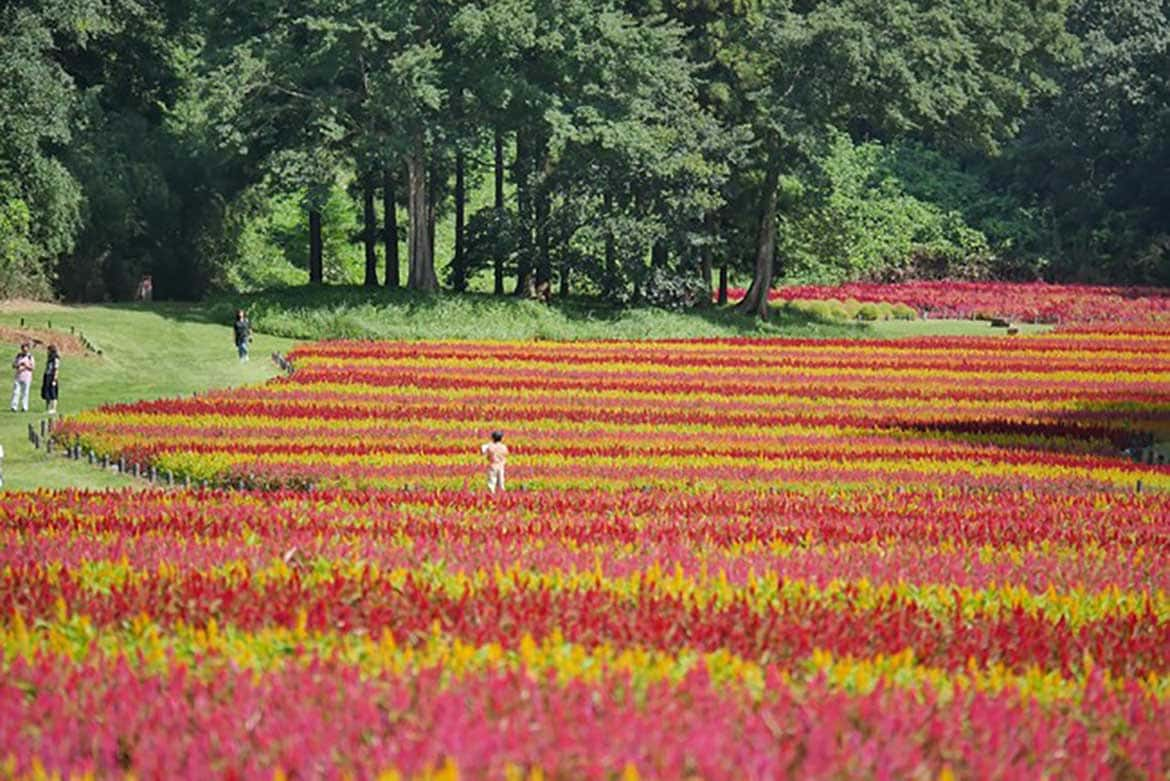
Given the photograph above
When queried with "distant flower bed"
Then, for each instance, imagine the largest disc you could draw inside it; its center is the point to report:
(1033, 302)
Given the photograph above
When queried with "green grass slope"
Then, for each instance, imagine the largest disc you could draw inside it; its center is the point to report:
(354, 312)
(147, 352)
(360, 313)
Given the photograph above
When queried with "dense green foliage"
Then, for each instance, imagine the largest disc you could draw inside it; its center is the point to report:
(624, 150)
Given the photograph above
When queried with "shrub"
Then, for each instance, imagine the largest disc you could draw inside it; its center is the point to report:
(903, 312)
(674, 291)
(817, 310)
(850, 307)
(868, 312)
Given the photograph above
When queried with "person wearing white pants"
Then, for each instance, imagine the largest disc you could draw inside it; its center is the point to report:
(497, 456)
(23, 363)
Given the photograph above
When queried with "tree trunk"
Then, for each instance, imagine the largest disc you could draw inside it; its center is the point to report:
(707, 255)
(565, 272)
(723, 284)
(522, 175)
(659, 255)
(421, 274)
(610, 245)
(544, 259)
(755, 301)
(498, 286)
(390, 231)
(459, 262)
(499, 150)
(316, 253)
(543, 208)
(432, 203)
(370, 233)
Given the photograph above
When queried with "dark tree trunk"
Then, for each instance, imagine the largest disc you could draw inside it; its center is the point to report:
(459, 262)
(421, 275)
(499, 169)
(544, 258)
(522, 176)
(610, 246)
(316, 248)
(723, 284)
(370, 233)
(755, 301)
(390, 231)
(543, 212)
(659, 255)
(498, 282)
(432, 204)
(707, 255)
(565, 272)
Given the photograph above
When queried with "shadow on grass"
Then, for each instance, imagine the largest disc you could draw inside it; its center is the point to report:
(1131, 433)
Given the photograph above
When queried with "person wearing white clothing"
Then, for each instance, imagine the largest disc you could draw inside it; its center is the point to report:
(497, 457)
(23, 363)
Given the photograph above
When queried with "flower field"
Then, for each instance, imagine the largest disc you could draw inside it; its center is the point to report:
(921, 559)
(587, 634)
(691, 416)
(1026, 302)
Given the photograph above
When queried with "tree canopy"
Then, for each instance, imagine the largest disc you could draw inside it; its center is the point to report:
(616, 149)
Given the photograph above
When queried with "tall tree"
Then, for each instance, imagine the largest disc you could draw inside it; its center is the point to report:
(390, 228)
(1096, 157)
(955, 71)
(604, 102)
(337, 79)
(40, 200)
(370, 232)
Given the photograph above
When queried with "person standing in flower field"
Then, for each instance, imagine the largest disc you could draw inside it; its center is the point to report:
(243, 331)
(23, 363)
(497, 456)
(49, 381)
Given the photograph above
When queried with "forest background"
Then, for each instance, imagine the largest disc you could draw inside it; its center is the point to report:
(645, 150)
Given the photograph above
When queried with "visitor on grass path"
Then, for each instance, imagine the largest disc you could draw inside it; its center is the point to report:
(23, 363)
(145, 290)
(497, 456)
(49, 381)
(243, 331)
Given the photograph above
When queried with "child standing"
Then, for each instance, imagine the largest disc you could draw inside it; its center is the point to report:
(497, 456)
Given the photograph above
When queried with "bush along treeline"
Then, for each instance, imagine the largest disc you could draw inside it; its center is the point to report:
(644, 149)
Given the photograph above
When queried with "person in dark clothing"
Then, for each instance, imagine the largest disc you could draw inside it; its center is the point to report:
(49, 380)
(243, 331)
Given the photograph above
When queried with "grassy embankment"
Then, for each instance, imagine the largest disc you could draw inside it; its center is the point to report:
(167, 350)
(164, 350)
(357, 313)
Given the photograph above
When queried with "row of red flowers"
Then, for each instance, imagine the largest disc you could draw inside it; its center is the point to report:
(1035, 302)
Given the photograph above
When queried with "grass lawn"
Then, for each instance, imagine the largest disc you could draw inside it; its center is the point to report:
(905, 329)
(166, 350)
(355, 312)
(147, 352)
